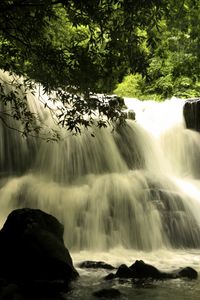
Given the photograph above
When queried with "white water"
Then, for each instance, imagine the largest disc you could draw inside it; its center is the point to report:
(132, 194)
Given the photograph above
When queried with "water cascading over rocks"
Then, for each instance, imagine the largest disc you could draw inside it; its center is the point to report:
(135, 188)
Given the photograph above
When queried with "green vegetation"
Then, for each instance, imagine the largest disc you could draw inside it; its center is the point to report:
(83, 47)
(173, 67)
(134, 86)
(130, 87)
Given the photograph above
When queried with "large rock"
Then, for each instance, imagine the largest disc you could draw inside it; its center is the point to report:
(142, 270)
(32, 250)
(191, 112)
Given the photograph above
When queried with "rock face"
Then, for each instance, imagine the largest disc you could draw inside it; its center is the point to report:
(141, 270)
(191, 112)
(32, 249)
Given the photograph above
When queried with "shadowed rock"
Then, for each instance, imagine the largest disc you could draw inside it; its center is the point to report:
(124, 272)
(32, 252)
(142, 270)
(188, 273)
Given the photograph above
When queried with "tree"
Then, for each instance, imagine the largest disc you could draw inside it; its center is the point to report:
(174, 66)
(173, 54)
(77, 47)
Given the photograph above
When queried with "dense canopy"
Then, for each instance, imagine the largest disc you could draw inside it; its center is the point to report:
(81, 47)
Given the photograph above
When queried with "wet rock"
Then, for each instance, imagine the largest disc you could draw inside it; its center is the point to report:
(175, 217)
(126, 138)
(131, 114)
(110, 276)
(124, 272)
(107, 293)
(191, 112)
(141, 270)
(188, 272)
(32, 251)
(89, 264)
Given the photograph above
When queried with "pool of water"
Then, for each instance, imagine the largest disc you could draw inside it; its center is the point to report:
(92, 280)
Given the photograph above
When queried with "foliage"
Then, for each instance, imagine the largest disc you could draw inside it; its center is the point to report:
(15, 111)
(130, 87)
(77, 47)
(81, 47)
(173, 54)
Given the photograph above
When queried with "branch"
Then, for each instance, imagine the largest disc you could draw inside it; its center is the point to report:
(13, 6)
(10, 127)
(22, 132)
(14, 37)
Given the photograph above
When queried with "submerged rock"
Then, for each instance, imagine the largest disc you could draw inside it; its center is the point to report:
(89, 264)
(107, 293)
(32, 252)
(141, 270)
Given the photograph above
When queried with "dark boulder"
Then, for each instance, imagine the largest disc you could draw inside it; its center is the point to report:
(89, 264)
(142, 270)
(32, 250)
(110, 276)
(187, 272)
(124, 272)
(191, 112)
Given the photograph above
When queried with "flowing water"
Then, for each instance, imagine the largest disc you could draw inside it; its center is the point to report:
(124, 195)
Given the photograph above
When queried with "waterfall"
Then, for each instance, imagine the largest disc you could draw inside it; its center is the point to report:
(137, 187)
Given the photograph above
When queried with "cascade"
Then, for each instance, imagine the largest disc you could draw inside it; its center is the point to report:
(137, 187)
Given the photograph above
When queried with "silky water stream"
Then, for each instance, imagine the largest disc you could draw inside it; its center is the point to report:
(124, 195)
